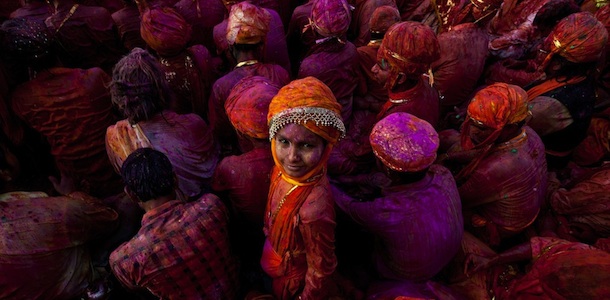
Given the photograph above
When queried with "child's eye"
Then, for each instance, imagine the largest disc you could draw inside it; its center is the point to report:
(282, 141)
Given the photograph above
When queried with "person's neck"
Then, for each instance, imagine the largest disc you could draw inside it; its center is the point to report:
(408, 84)
(154, 203)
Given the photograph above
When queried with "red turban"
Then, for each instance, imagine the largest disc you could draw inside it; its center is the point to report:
(404, 142)
(409, 48)
(383, 17)
(330, 18)
(248, 24)
(494, 107)
(579, 38)
(248, 104)
(165, 30)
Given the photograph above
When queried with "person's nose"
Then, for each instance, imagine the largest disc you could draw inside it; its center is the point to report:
(293, 154)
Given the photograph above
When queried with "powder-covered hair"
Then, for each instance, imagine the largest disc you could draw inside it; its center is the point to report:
(139, 88)
(148, 174)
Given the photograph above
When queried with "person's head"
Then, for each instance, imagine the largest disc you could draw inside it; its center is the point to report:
(148, 174)
(404, 143)
(248, 24)
(304, 123)
(551, 13)
(408, 48)
(330, 18)
(139, 88)
(577, 39)
(248, 105)
(495, 113)
(382, 18)
(165, 30)
(28, 42)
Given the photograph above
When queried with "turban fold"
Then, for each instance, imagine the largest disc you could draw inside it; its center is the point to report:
(578, 38)
(494, 107)
(26, 39)
(404, 142)
(330, 18)
(248, 104)
(165, 30)
(248, 24)
(409, 48)
(383, 17)
(310, 103)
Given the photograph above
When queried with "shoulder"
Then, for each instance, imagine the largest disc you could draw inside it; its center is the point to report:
(319, 204)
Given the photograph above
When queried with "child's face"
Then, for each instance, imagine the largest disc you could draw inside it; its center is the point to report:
(298, 150)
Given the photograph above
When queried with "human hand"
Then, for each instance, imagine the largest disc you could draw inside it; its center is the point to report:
(475, 263)
(65, 185)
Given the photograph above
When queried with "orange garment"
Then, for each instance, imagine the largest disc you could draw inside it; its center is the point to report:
(165, 30)
(550, 85)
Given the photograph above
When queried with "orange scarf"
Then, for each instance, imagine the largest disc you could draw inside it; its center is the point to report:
(550, 85)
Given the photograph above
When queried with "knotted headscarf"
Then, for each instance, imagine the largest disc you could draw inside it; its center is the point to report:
(404, 142)
(248, 104)
(494, 107)
(247, 24)
(383, 17)
(165, 30)
(578, 38)
(310, 103)
(26, 39)
(409, 48)
(330, 18)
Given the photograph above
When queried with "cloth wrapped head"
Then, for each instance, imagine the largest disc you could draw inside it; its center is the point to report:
(330, 18)
(383, 17)
(494, 107)
(248, 24)
(404, 142)
(248, 104)
(310, 103)
(165, 30)
(579, 38)
(409, 48)
(27, 40)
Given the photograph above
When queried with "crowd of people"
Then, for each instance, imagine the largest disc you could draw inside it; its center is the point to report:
(319, 149)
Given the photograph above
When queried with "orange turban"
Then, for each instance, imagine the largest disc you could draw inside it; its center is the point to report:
(248, 104)
(383, 17)
(330, 18)
(308, 102)
(579, 38)
(248, 24)
(165, 30)
(409, 48)
(404, 142)
(494, 107)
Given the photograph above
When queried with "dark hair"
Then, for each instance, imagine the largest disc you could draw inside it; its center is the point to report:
(148, 174)
(139, 88)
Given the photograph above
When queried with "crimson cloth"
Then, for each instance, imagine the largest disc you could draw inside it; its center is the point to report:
(563, 270)
(416, 208)
(587, 202)
(336, 65)
(73, 118)
(299, 253)
(127, 22)
(185, 139)
(217, 116)
(361, 17)
(182, 251)
(595, 148)
(508, 186)
(86, 39)
(370, 94)
(421, 101)
(202, 15)
(44, 240)
(275, 50)
(246, 180)
(190, 75)
(463, 55)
